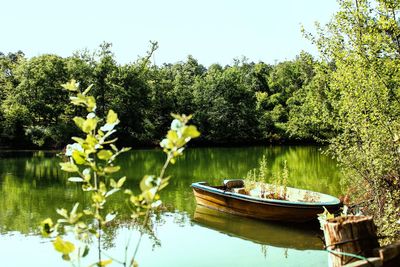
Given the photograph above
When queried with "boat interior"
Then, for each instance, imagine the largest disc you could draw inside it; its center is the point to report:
(264, 191)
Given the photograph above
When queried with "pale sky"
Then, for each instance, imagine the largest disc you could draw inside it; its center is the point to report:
(212, 31)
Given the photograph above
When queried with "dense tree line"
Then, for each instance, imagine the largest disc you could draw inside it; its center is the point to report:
(243, 103)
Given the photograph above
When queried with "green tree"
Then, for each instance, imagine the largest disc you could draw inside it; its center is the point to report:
(103, 71)
(8, 82)
(36, 104)
(281, 94)
(310, 114)
(131, 101)
(225, 106)
(81, 67)
(363, 42)
(184, 77)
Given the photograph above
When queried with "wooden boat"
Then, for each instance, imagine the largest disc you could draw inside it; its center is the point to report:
(299, 205)
(280, 235)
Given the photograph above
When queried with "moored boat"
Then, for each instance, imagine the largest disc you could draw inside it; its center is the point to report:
(298, 205)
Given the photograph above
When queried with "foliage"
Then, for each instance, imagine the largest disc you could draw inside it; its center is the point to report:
(239, 104)
(91, 162)
(226, 106)
(362, 41)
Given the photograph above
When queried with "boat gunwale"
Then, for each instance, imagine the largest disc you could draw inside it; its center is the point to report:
(298, 204)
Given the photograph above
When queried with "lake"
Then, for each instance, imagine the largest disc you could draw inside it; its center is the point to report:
(32, 187)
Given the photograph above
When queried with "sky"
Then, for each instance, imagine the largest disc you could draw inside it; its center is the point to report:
(212, 31)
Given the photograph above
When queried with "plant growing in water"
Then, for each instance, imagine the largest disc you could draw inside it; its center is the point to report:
(91, 161)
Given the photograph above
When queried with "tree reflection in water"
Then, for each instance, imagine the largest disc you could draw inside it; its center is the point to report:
(32, 187)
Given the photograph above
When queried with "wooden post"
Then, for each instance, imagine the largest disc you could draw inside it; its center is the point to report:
(349, 234)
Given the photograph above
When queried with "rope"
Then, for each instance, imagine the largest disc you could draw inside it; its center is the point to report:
(350, 240)
(350, 255)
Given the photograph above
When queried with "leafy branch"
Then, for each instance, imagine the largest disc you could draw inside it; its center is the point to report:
(91, 161)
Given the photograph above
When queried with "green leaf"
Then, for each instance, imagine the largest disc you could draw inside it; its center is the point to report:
(149, 195)
(71, 86)
(76, 179)
(172, 136)
(121, 182)
(114, 147)
(102, 187)
(77, 139)
(86, 174)
(85, 251)
(111, 169)
(105, 262)
(113, 183)
(64, 247)
(97, 198)
(104, 154)
(166, 143)
(69, 167)
(191, 131)
(89, 125)
(128, 192)
(112, 191)
(78, 100)
(76, 155)
(79, 121)
(46, 227)
(112, 117)
(87, 89)
(62, 212)
(66, 257)
(88, 212)
(110, 217)
(91, 104)
(74, 209)
(125, 149)
(164, 183)
(146, 183)
(111, 141)
(91, 141)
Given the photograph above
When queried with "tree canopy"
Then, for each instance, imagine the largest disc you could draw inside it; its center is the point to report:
(245, 103)
(361, 99)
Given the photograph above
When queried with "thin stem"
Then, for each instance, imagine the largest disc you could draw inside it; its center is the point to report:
(79, 256)
(96, 186)
(99, 240)
(147, 215)
(126, 250)
(95, 179)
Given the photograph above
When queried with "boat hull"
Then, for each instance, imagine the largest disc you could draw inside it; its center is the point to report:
(272, 210)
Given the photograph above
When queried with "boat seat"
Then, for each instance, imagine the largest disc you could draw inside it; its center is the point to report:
(237, 183)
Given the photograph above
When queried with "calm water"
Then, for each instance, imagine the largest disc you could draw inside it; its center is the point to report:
(32, 187)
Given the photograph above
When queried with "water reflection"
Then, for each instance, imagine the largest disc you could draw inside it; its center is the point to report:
(295, 236)
(32, 187)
